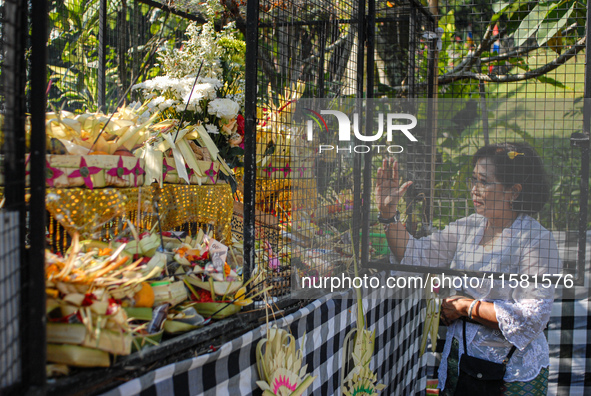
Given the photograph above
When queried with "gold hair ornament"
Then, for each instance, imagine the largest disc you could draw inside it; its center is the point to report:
(513, 154)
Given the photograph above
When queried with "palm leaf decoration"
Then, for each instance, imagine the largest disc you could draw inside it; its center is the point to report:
(360, 380)
(279, 364)
(431, 327)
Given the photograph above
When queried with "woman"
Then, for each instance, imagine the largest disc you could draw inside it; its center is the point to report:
(508, 184)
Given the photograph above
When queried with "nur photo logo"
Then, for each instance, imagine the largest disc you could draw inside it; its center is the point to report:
(345, 127)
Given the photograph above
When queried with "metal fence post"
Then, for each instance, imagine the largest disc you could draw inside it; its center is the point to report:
(250, 109)
(102, 57)
(13, 345)
(34, 349)
(367, 166)
(583, 143)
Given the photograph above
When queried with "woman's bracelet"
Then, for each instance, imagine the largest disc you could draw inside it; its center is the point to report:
(471, 308)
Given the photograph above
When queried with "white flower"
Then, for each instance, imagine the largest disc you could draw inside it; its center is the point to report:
(212, 81)
(155, 102)
(166, 104)
(223, 108)
(212, 129)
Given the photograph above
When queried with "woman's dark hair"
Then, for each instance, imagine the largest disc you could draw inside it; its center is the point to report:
(518, 163)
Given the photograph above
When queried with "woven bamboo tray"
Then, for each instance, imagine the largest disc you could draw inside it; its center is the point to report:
(93, 171)
(209, 169)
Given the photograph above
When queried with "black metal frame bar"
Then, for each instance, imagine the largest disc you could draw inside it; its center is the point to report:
(584, 146)
(34, 351)
(250, 109)
(102, 57)
(363, 27)
(367, 170)
(15, 33)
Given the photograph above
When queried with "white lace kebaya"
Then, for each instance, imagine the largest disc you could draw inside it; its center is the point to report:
(524, 248)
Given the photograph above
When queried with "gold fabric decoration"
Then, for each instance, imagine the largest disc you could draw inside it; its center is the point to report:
(99, 213)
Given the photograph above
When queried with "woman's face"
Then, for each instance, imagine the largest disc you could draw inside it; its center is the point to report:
(489, 196)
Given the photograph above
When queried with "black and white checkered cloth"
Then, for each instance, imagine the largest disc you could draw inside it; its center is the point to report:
(569, 340)
(232, 369)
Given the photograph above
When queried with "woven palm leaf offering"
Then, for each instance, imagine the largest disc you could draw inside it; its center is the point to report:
(217, 291)
(279, 365)
(279, 361)
(173, 155)
(94, 150)
(86, 292)
(274, 139)
(359, 347)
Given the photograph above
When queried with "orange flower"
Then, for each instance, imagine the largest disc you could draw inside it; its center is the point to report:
(105, 252)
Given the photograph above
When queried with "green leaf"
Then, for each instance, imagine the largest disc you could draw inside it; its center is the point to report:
(553, 82)
(58, 69)
(530, 24)
(501, 6)
(155, 27)
(448, 19)
(555, 21)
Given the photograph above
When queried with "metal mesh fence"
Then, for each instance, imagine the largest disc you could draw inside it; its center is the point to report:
(506, 72)
(93, 61)
(309, 203)
(502, 74)
(512, 73)
(305, 50)
(403, 50)
(12, 204)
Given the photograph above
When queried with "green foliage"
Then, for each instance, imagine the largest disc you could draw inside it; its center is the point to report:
(563, 164)
(523, 23)
(73, 49)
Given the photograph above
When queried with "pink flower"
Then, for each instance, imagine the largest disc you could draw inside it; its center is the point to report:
(120, 170)
(286, 169)
(85, 172)
(274, 263)
(211, 173)
(51, 173)
(166, 168)
(137, 171)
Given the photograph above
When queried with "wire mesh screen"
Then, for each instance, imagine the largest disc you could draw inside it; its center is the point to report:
(309, 197)
(93, 61)
(97, 51)
(404, 34)
(12, 188)
(507, 72)
(305, 50)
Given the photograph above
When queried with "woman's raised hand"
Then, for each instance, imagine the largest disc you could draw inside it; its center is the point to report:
(388, 189)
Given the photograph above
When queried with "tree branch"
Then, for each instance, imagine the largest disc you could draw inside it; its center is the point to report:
(561, 60)
(522, 50)
(473, 57)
